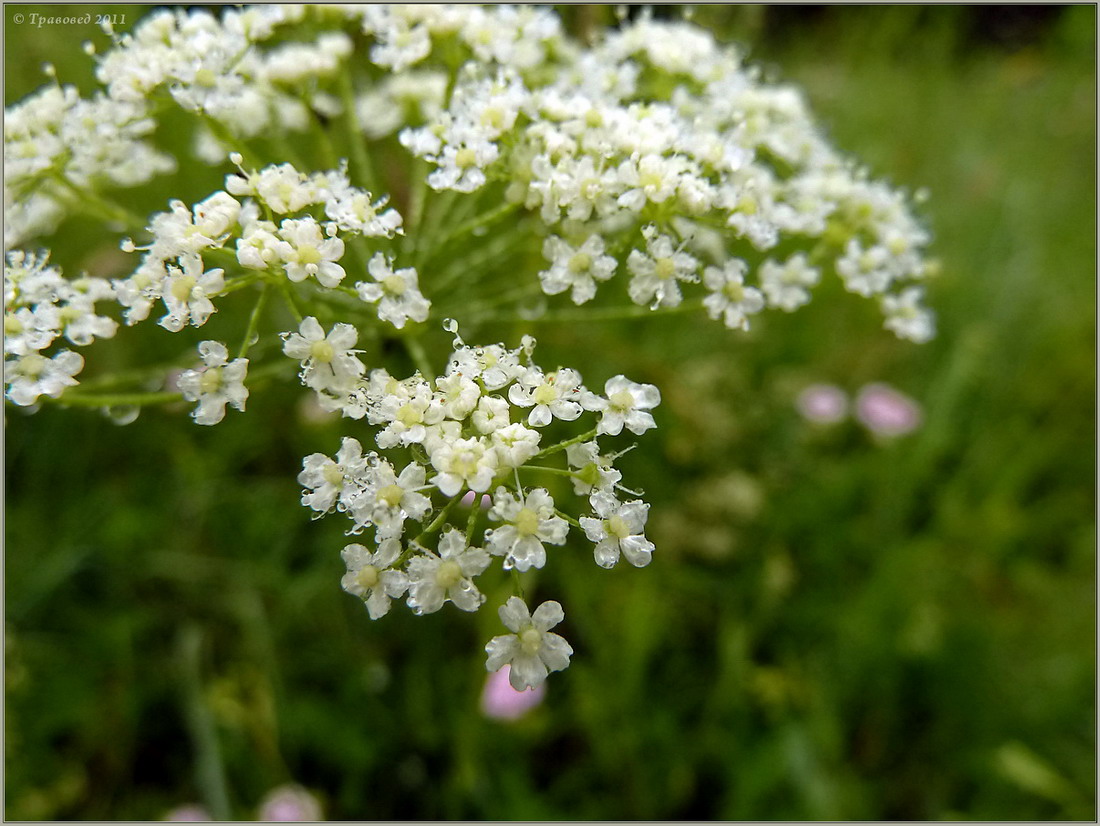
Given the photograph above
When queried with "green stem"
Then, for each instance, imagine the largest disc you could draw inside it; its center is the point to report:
(288, 298)
(253, 322)
(227, 138)
(417, 199)
(609, 314)
(482, 220)
(568, 518)
(356, 139)
(328, 148)
(554, 470)
(584, 437)
(94, 204)
(435, 525)
(209, 767)
(240, 283)
(118, 399)
(471, 522)
(419, 357)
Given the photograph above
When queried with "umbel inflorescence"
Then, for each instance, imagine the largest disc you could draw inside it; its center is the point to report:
(389, 167)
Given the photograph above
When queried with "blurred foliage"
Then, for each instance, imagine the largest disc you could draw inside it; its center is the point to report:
(832, 627)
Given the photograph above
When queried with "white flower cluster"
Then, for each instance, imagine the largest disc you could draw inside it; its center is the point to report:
(473, 431)
(57, 145)
(300, 247)
(40, 307)
(653, 156)
(657, 139)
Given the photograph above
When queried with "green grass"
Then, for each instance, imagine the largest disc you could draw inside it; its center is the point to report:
(831, 628)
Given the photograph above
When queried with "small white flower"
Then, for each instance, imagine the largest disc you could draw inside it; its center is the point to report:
(396, 291)
(619, 529)
(514, 444)
(492, 413)
(435, 579)
(389, 499)
(407, 412)
(651, 178)
(528, 523)
(786, 284)
(33, 375)
(305, 252)
(29, 331)
(656, 274)
(549, 395)
(329, 482)
(186, 293)
(595, 472)
(625, 406)
(575, 268)
(866, 272)
(327, 361)
(458, 395)
(464, 462)
(371, 578)
(730, 299)
(461, 165)
(907, 318)
(493, 365)
(219, 384)
(532, 651)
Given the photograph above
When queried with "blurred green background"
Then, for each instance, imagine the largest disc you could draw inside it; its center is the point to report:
(833, 626)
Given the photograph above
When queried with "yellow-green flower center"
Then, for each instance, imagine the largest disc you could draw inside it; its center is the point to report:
(210, 380)
(530, 640)
(580, 262)
(32, 365)
(322, 351)
(309, 254)
(449, 574)
(623, 400)
(391, 495)
(734, 291)
(527, 522)
(617, 527)
(333, 474)
(665, 269)
(206, 78)
(465, 158)
(409, 415)
(182, 286)
(367, 577)
(545, 393)
(493, 117)
(393, 284)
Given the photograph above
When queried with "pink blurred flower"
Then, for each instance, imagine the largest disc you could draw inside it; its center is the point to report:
(887, 412)
(468, 500)
(290, 804)
(499, 701)
(188, 813)
(823, 403)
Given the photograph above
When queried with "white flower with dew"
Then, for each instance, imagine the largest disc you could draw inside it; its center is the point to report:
(434, 579)
(619, 529)
(531, 650)
(221, 382)
(396, 291)
(528, 523)
(626, 405)
(372, 578)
